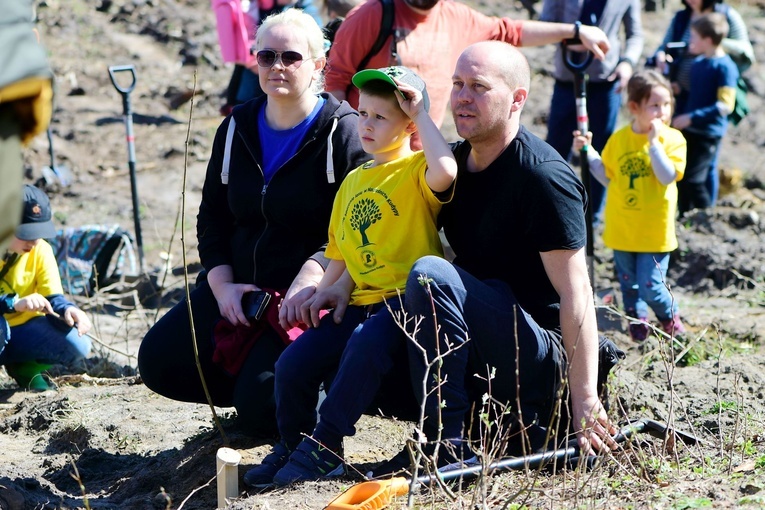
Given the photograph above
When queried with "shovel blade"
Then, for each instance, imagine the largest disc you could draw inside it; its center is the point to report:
(60, 175)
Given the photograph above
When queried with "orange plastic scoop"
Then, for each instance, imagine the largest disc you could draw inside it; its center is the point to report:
(372, 495)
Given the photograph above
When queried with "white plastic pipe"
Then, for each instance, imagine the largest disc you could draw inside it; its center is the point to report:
(227, 462)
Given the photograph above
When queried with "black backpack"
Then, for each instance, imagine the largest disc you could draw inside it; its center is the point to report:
(386, 29)
(93, 256)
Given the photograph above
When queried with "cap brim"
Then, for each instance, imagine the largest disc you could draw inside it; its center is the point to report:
(33, 231)
(367, 75)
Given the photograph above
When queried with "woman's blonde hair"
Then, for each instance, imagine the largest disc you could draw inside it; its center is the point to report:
(304, 24)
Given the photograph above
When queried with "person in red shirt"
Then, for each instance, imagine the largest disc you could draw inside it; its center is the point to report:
(429, 37)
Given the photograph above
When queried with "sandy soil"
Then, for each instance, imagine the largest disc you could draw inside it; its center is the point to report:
(102, 440)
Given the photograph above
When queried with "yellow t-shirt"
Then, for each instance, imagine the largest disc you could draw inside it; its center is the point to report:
(383, 220)
(35, 271)
(640, 210)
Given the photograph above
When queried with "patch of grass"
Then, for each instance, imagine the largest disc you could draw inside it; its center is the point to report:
(755, 501)
(685, 503)
(724, 405)
(748, 448)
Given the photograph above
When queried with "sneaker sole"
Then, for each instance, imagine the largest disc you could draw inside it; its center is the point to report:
(338, 471)
(261, 486)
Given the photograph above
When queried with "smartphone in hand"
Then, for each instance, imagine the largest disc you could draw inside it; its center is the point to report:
(254, 304)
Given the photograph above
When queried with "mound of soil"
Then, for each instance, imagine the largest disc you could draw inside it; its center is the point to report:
(103, 440)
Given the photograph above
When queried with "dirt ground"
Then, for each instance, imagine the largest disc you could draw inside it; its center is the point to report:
(102, 440)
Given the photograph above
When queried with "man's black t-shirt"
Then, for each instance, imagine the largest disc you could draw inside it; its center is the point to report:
(526, 202)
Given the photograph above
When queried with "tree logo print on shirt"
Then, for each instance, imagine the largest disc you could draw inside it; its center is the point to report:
(364, 214)
(634, 165)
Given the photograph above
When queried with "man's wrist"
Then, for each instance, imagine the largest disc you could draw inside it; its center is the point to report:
(577, 26)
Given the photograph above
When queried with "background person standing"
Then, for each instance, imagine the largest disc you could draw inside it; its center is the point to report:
(607, 77)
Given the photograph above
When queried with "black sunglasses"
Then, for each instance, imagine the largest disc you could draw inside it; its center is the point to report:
(267, 58)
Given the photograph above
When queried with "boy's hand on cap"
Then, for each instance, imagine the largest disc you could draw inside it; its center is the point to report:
(409, 99)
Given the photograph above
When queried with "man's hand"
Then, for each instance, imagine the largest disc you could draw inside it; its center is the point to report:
(594, 431)
(595, 40)
(76, 318)
(34, 303)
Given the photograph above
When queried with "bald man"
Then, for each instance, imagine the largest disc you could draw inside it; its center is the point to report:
(518, 294)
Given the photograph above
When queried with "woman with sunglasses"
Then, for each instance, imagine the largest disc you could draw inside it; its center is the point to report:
(276, 164)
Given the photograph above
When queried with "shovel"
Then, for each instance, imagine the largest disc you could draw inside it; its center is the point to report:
(377, 494)
(55, 173)
(125, 91)
(583, 125)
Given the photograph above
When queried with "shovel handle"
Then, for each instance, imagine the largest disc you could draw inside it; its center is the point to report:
(574, 67)
(113, 70)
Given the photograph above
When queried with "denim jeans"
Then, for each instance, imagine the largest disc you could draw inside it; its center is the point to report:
(713, 181)
(361, 349)
(487, 331)
(43, 340)
(642, 277)
(603, 103)
(692, 189)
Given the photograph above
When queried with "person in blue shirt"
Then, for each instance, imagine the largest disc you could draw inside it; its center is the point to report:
(704, 118)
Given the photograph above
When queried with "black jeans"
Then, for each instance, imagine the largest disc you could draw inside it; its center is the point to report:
(167, 366)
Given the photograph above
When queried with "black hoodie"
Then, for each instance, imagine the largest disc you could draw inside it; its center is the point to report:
(267, 232)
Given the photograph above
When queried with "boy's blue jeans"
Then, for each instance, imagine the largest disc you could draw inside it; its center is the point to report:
(526, 361)
(642, 277)
(361, 349)
(42, 340)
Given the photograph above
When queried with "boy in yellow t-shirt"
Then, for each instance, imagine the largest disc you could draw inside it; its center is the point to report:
(640, 166)
(38, 326)
(383, 220)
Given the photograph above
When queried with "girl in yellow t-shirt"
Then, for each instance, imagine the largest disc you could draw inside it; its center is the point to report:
(640, 166)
